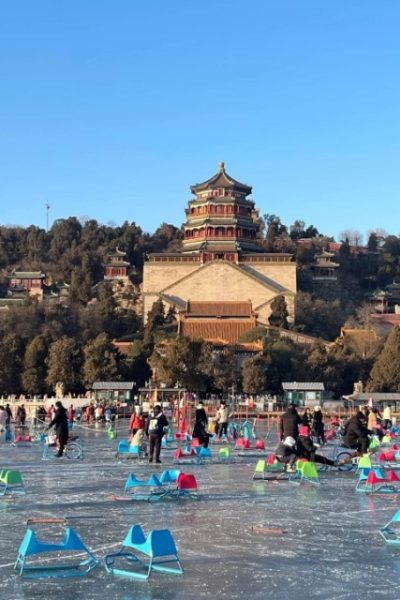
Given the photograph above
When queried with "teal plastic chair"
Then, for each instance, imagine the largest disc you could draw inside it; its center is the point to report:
(31, 546)
(389, 533)
(158, 550)
(204, 455)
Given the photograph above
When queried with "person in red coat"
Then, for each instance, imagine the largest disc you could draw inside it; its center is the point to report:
(136, 422)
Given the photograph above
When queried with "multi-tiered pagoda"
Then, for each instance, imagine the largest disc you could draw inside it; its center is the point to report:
(222, 269)
(221, 220)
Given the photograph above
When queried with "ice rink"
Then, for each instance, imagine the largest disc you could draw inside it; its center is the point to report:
(328, 547)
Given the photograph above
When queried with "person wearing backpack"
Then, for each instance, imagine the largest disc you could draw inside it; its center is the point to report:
(156, 426)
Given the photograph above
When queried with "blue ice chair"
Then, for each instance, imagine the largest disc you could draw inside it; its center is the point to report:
(389, 534)
(139, 489)
(31, 546)
(204, 455)
(169, 477)
(158, 547)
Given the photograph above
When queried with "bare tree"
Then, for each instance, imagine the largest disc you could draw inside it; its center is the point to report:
(353, 236)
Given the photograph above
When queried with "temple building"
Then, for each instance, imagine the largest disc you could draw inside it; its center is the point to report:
(116, 267)
(222, 283)
(22, 283)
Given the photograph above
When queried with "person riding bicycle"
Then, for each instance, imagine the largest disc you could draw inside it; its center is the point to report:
(356, 434)
(60, 422)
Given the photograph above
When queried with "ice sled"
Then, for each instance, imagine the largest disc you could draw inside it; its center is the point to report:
(306, 471)
(74, 567)
(158, 552)
(185, 456)
(389, 532)
(139, 489)
(11, 483)
(379, 483)
(128, 450)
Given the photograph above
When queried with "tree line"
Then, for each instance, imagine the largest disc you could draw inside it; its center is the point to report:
(41, 344)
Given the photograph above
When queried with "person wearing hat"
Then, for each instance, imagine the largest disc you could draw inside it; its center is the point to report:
(306, 448)
(317, 426)
(60, 423)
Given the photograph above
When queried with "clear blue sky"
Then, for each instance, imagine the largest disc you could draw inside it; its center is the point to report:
(111, 109)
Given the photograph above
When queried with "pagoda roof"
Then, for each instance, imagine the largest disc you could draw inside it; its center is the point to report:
(221, 180)
(117, 252)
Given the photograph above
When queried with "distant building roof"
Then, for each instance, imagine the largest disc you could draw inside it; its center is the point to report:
(113, 385)
(27, 275)
(228, 330)
(219, 309)
(376, 397)
(389, 318)
(303, 385)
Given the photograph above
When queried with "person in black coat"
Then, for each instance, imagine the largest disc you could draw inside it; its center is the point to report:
(201, 425)
(318, 425)
(289, 425)
(156, 426)
(356, 433)
(60, 423)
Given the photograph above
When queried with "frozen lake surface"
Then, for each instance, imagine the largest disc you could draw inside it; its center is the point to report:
(329, 547)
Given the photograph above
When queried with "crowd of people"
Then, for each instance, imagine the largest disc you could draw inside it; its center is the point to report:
(297, 433)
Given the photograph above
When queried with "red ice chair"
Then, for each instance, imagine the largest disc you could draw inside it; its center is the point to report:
(260, 445)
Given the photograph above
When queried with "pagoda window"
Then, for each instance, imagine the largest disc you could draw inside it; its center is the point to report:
(220, 231)
(212, 208)
(220, 191)
(220, 209)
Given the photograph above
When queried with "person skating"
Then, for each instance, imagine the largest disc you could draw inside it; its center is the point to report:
(156, 426)
(200, 429)
(60, 423)
(356, 434)
(222, 417)
(317, 426)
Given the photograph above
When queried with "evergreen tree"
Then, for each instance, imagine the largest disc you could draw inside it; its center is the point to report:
(186, 361)
(254, 378)
(64, 363)
(224, 369)
(385, 374)
(279, 313)
(11, 352)
(34, 374)
(100, 361)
